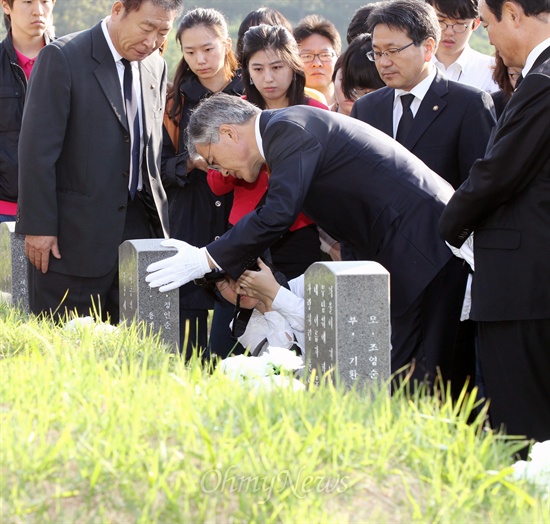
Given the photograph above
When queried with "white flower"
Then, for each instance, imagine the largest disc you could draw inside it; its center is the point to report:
(264, 371)
(282, 359)
(84, 322)
(241, 367)
(78, 322)
(536, 470)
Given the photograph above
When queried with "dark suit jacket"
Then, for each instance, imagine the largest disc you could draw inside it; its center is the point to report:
(74, 151)
(354, 182)
(506, 203)
(450, 130)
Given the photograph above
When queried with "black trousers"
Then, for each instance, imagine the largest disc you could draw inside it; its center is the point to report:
(430, 335)
(58, 294)
(515, 356)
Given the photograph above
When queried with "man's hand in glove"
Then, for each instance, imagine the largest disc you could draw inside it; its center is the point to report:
(189, 263)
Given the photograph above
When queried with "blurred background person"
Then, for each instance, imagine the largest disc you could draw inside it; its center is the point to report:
(358, 23)
(208, 65)
(29, 28)
(320, 44)
(354, 74)
(506, 78)
(454, 56)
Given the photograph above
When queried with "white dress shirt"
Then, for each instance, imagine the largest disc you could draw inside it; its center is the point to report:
(419, 91)
(136, 79)
(471, 68)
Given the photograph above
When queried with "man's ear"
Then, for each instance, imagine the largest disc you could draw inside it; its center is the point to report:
(429, 45)
(475, 23)
(230, 132)
(512, 12)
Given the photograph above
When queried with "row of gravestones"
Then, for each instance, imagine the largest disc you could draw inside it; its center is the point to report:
(347, 315)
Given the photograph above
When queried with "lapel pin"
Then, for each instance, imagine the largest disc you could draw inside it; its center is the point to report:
(435, 108)
(153, 86)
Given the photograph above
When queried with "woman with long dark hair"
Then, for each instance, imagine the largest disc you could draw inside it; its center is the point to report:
(197, 216)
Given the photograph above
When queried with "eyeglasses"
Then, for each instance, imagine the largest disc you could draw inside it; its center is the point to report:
(214, 167)
(457, 28)
(325, 56)
(373, 56)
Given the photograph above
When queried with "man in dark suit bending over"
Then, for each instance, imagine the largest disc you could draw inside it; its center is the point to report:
(505, 203)
(89, 156)
(357, 184)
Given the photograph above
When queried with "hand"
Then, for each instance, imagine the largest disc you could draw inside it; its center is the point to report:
(199, 163)
(189, 263)
(38, 249)
(260, 284)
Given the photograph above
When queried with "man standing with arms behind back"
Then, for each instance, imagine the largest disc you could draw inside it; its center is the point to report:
(28, 25)
(89, 156)
(505, 202)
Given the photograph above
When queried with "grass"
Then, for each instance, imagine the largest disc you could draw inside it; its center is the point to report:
(109, 427)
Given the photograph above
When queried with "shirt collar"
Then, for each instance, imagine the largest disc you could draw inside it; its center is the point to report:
(420, 89)
(116, 55)
(259, 141)
(533, 55)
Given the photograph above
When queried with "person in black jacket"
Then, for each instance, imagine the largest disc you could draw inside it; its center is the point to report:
(208, 66)
(29, 26)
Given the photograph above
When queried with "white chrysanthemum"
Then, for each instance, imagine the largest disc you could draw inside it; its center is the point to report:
(536, 470)
(78, 322)
(84, 322)
(282, 359)
(243, 367)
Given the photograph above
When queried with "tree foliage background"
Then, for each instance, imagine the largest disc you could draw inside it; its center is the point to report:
(75, 15)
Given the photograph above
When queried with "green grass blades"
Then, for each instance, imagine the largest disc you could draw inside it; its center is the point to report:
(100, 426)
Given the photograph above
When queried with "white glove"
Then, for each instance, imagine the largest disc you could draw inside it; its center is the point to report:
(189, 263)
(466, 251)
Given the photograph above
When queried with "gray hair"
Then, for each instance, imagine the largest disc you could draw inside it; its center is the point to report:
(211, 113)
(416, 18)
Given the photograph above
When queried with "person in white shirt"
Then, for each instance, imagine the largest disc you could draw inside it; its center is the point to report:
(454, 56)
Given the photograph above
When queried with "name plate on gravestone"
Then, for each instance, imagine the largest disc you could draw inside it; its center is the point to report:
(14, 287)
(140, 302)
(347, 322)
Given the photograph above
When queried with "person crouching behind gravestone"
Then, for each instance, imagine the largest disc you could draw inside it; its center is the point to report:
(359, 186)
(276, 313)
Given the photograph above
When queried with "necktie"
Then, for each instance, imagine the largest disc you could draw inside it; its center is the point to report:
(407, 118)
(133, 124)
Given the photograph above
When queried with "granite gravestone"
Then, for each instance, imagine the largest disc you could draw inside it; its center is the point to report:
(140, 302)
(347, 322)
(14, 287)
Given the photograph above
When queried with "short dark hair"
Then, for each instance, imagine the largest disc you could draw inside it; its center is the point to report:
(530, 7)
(280, 41)
(415, 17)
(456, 9)
(167, 5)
(263, 15)
(358, 24)
(317, 25)
(357, 69)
